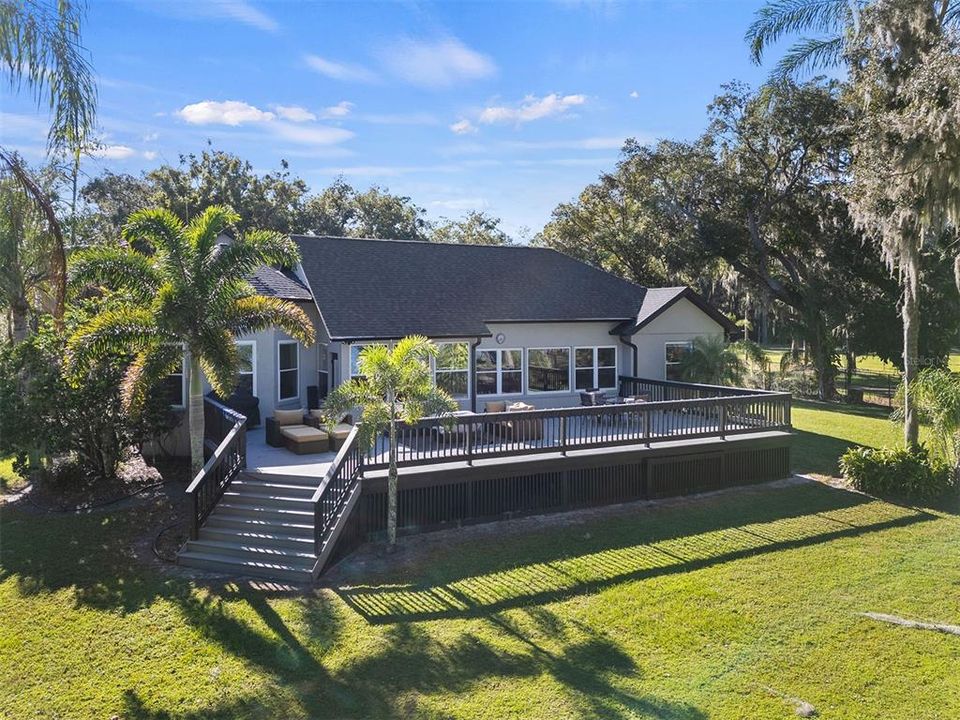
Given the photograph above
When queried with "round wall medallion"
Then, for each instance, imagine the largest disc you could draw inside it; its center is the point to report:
(501, 338)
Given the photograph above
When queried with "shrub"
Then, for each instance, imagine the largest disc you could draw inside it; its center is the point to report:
(897, 471)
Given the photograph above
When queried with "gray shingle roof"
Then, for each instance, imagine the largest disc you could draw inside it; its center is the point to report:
(389, 289)
(275, 283)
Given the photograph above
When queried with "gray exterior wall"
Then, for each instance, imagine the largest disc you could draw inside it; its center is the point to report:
(681, 322)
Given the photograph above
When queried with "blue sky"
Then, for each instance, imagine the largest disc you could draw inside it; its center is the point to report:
(510, 108)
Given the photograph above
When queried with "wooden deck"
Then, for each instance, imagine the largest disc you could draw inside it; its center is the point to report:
(303, 512)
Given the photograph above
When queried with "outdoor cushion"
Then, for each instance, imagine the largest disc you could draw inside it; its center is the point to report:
(302, 433)
(519, 406)
(340, 431)
(288, 417)
(495, 406)
(317, 413)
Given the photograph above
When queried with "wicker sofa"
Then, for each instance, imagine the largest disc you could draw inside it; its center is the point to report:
(289, 429)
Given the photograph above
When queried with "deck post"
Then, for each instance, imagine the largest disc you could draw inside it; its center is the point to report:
(645, 428)
(563, 434)
(723, 421)
(469, 443)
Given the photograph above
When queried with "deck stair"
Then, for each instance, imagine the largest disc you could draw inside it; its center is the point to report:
(262, 526)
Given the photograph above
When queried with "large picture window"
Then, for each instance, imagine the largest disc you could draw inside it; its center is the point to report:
(548, 369)
(451, 368)
(596, 367)
(499, 372)
(247, 374)
(674, 353)
(288, 370)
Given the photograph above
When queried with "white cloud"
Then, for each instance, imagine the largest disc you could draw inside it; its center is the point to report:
(345, 72)
(151, 137)
(461, 204)
(289, 122)
(532, 108)
(310, 134)
(415, 118)
(150, 154)
(634, 94)
(340, 110)
(294, 113)
(240, 11)
(229, 112)
(113, 152)
(590, 143)
(435, 64)
(244, 12)
(463, 127)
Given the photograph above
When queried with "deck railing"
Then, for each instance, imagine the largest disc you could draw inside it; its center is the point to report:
(675, 411)
(225, 436)
(336, 490)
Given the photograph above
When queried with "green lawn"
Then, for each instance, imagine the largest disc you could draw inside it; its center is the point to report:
(865, 363)
(9, 480)
(722, 606)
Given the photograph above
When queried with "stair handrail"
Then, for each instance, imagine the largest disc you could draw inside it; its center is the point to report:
(338, 483)
(228, 459)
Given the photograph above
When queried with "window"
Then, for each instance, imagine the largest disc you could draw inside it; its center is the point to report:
(596, 367)
(499, 372)
(174, 386)
(288, 370)
(675, 352)
(247, 380)
(451, 368)
(355, 359)
(548, 370)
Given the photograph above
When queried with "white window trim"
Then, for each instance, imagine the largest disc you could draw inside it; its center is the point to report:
(435, 369)
(253, 361)
(596, 366)
(280, 343)
(499, 352)
(686, 343)
(184, 389)
(350, 347)
(526, 371)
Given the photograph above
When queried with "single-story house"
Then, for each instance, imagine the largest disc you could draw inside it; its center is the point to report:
(512, 323)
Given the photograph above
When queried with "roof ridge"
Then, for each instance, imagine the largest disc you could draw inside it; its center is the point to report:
(511, 246)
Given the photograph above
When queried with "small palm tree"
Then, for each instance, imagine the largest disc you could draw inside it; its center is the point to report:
(711, 360)
(183, 292)
(395, 385)
(937, 401)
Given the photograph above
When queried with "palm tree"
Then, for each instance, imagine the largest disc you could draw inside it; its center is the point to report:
(711, 360)
(904, 169)
(183, 293)
(24, 247)
(41, 49)
(394, 385)
(937, 399)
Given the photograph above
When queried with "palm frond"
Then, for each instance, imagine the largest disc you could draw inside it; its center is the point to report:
(219, 360)
(202, 234)
(781, 18)
(148, 368)
(120, 330)
(809, 55)
(256, 312)
(163, 232)
(117, 268)
(244, 255)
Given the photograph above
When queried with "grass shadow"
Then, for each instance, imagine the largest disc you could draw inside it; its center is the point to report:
(646, 544)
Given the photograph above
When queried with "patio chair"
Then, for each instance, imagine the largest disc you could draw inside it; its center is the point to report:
(338, 433)
(288, 428)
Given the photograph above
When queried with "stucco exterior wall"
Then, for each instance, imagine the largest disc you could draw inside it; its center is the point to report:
(682, 322)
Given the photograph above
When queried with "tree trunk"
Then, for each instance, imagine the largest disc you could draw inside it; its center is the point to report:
(18, 311)
(195, 417)
(392, 482)
(910, 311)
